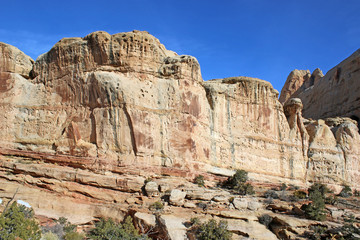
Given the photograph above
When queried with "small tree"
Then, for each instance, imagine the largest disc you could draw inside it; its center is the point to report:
(316, 209)
(18, 222)
(238, 183)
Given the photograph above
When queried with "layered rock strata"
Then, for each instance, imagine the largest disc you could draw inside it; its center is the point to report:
(99, 114)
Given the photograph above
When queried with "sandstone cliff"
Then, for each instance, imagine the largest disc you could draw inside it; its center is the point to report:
(92, 118)
(332, 95)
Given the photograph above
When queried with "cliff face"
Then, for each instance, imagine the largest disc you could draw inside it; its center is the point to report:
(127, 99)
(332, 95)
(103, 112)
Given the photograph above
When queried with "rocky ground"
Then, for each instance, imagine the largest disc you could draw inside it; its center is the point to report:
(162, 205)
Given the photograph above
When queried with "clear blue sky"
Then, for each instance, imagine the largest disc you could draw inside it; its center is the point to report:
(256, 38)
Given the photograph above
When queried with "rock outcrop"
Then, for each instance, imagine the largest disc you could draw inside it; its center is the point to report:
(92, 118)
(298, 80)
(335, 94)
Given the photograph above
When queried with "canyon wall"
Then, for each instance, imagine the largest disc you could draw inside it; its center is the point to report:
(103, 112)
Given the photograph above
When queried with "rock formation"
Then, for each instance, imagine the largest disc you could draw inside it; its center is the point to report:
(335, 94)
(92, 118)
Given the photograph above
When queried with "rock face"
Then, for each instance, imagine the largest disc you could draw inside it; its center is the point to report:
(335, 94)
(126, 100)
(299, 80)
(105, 111)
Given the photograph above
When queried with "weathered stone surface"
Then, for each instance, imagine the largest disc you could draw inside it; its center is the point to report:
(152, 189)
(297, 81)
(250, 229)
(189, 205)
(125, 100)
(201, 193)
(174, 227)
(240, 203)
(13, 61)
(293, 82)
(177, 197)
(148, 219)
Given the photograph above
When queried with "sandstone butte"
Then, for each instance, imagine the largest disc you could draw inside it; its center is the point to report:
(85, 124)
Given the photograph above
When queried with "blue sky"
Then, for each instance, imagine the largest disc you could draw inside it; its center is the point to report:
(257, 38)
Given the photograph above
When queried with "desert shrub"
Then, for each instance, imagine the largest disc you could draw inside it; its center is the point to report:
(346, 192)
(108, 229)
(349, 231)
(18, 222)
(240, 177)
(299, 194)
(350, 218)
(156, 206)
(316, 209)
(271, 194)
(318, 232)
(62, 228)
(212, 230)
(357, 193)
(265, 219)
(199, 180)
(332, 200)
(148, 179)
(74, 236)
(49, 236)
(238, 183)
(195, 221)
(244, 189)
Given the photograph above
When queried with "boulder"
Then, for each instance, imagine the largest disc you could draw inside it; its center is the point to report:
(152, 189)
(177, 197)
(174, 227)
(240, 203)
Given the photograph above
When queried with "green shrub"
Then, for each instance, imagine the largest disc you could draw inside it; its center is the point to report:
(299, 194)
(245, 189)
(194, 221)
(271, 194)
(199, 180)
(74, 236)
(62, 228)
(156, 206)
(319, 232)
(332, 200)
(108, 229)
(212, 230)
(346, 192)
(49, 236)
(238, 183)
(240, 177)
(17, 222)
